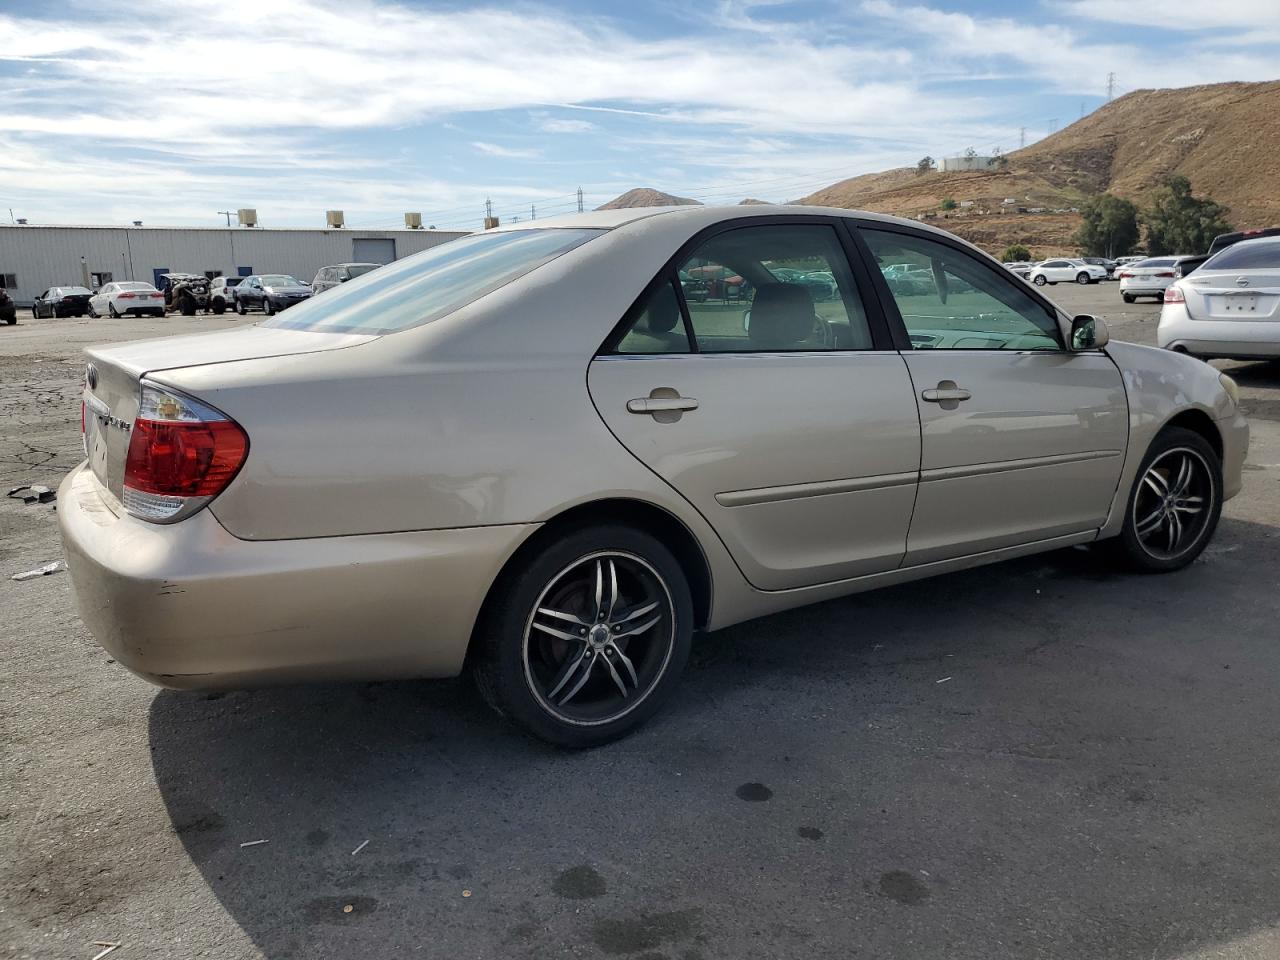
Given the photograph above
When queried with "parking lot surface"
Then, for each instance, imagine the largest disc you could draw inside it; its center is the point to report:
(1043, 758)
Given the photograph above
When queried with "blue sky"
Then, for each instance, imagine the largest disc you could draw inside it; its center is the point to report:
(375, 108)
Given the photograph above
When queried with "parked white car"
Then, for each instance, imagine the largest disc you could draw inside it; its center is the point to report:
(124, 297)
(1229, 308)
(1147, 278)
(222, 293)
(1021, 267)
(1066, 271)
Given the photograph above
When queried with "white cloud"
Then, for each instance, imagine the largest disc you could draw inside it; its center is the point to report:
(557, 125)
(509, 153)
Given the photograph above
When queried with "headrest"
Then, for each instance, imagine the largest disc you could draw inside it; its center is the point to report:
(663, 312)
(781, 315)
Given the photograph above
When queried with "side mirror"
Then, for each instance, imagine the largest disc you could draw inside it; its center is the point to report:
(1088, 333)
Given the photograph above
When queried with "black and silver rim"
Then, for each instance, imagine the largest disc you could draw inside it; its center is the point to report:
(1172, 508)
(599, 638)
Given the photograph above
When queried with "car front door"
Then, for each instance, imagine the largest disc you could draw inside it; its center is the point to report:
(1022, 439)
(790, 425)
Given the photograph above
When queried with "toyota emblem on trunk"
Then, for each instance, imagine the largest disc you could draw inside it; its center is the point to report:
(1242, 281)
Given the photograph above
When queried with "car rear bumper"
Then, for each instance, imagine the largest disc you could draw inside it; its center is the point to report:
(1225, 339)
(188, 605)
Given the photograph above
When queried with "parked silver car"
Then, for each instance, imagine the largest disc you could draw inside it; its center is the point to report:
(529, 454)
(327, 278)
(1230, 307)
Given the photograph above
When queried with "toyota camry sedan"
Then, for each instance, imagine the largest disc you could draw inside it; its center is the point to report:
(530, 455)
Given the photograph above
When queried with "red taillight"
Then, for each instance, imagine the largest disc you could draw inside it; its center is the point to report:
(1124, 273)
(126, 296)
(1169, 274)
(181, 454)
(1174, 294)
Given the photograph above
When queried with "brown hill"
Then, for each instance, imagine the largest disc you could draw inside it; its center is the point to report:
(645, 197)
(1225, 138)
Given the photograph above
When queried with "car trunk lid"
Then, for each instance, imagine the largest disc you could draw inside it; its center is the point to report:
(1233, 296)
(113, 374)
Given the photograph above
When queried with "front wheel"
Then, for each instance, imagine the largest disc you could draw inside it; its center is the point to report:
(240, 307)
(1040, 280)
(267, 306)
(1083, 278)
(1173, 508)
(587, 638)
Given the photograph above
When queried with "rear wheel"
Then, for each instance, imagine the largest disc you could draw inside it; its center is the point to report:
(111, 311)
(1173, 508)
(186, 306)
(219, 307)
(586, 639)
(1128, 298)
(1040, 280)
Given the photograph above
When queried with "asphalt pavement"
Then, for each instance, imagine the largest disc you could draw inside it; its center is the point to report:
(1043, 758)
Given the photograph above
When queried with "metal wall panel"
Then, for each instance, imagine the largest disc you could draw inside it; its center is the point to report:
(46, 256)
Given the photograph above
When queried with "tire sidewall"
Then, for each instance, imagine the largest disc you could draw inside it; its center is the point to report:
(499, 665)
(1168, 439)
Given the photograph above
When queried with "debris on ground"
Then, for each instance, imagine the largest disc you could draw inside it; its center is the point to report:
(943, 680)
(359, 848)
(348, 908)
(466, 893)
(33, 493)
(56, 567)
(110, 947)
(253, 843)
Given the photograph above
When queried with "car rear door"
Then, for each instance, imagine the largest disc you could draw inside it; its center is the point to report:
(789, 424)
(1021, 439)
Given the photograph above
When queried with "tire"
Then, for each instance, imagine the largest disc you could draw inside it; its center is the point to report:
(219, 307)
(93, 314)
(34, 314)
(1083, 278)
(240, 307)
(111, 311)
(1154, 497)
(1040, 280)
(1127, 298)
(267, 307)
(186, 306)
(526, 664)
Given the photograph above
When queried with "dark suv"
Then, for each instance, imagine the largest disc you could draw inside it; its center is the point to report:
(339, 273)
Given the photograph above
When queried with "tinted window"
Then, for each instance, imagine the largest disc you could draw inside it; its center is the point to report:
(1247, 256)
(773, 289)
(657, 325)
(431, 284)
(360, 269)
(954, 301)
(1154, 262)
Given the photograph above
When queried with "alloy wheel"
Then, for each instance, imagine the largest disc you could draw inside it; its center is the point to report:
(1172, 507)
(599, 638)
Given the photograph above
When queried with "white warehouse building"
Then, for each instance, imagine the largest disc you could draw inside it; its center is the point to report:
(34, 258)
(975, 162)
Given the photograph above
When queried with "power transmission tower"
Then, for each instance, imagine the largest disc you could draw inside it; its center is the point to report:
(579, 199)
(488, 209)
(1111, 85)
(1022, 137)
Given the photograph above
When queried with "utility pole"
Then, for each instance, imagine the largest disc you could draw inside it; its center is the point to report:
(579, 202)
(227, 214)
(1022, 138)
(488, 209)
(533, 212)
(1081, 109)
(1111, 85)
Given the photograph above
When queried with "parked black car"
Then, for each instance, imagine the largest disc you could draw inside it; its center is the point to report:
(270, 292)
(61, 302)
(339, 273)
(186, 293)
(8, 311)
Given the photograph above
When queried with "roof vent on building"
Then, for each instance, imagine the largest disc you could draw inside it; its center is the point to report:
(413, 221)
(248, 217)
(137, 223)
(333, 218)
(22, 221)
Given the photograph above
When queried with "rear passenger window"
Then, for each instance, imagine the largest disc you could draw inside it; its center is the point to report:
(657, 326)
(773, 289)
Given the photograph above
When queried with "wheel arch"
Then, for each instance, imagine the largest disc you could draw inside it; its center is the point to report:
(640, 514)
(1197, 421)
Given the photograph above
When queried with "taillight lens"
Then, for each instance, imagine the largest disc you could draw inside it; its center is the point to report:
(182, 454)
(127, 296)
(1174, 294)
(1124, 273)
(1168, 273)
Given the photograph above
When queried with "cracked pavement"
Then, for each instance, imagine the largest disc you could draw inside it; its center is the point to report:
(1043, 758)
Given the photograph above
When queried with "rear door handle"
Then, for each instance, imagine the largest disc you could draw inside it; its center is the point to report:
(664, 404)
(947, 395)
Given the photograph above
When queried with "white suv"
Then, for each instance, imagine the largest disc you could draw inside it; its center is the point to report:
(1066, 271)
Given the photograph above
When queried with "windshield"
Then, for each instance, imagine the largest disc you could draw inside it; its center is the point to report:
(279, 280)
(360, 269)
(430, 284)
(73, 291)
(1255, 254)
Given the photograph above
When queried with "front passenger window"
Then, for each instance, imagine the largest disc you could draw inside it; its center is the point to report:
(951, 300)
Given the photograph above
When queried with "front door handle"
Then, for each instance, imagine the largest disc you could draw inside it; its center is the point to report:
(664, 404)
(946, 395)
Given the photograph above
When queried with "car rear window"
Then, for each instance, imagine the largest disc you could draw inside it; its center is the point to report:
(1246, 256)
(430, 284)
(1154, 263)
